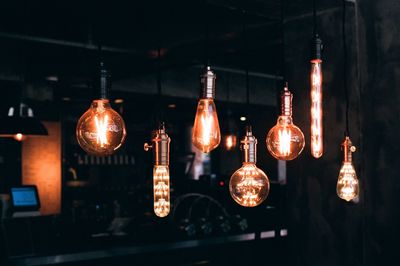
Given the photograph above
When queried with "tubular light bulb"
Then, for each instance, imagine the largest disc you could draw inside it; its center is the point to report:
(317, 147)
(285, 141)
(161, 186)
(206, 134)
(101, 130)
(347, 187)
(249, 185)
(230, 142)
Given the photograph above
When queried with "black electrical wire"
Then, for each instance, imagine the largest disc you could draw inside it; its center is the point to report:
(315, 30)
(206, 36)
(346, 90)
(245, 57)
(283, 68)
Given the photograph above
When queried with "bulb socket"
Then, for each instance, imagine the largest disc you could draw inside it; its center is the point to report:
(348, 149)
(105, 83)
(160, 145)
(316, 49)
(207, 80)
(286, 101)
(248, 145)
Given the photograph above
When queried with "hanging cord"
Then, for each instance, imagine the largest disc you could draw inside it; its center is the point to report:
(283, 42)
(104, 75)
(246, 62)
(315, 29)
(346, 90)
(206, 36)
(160, 114)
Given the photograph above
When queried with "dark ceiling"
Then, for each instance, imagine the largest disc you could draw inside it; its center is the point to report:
(46, 38)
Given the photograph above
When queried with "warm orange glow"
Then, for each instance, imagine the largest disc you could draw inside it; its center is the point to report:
(19, 137)
(230, 142)
(206, 135)
(100, 130)
(347, 186)
(285, 141)
(41, 166)
(161, 190)
(249, 186)
(284, 137)
(316, 109)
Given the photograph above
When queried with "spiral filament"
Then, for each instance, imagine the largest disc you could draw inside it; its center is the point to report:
(347, 185)
(250, 186)
(161, 190)
(316, 109)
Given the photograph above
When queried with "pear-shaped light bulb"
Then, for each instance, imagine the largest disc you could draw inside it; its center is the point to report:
(347, 187)
(206, 134)
(285, 141)
(249, 185)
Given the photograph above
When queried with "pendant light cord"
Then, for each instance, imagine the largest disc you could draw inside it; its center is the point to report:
(315, 30)
(283, 68)
(245, 57)
(206, 37)
(346, 90)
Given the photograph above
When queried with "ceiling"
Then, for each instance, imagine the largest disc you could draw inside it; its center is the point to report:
(60, 39)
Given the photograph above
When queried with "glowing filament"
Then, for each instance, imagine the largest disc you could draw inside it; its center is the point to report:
(161, 190)
(284, 138)
(101, 130)
(206, 122)
(347, 185)
(316, 110)
(249, 187)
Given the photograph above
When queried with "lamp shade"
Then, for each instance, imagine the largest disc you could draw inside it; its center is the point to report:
(20, 120)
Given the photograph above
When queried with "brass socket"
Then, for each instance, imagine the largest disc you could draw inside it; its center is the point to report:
(207, 80)
(348, 149)
(249, 147)
(286, 101)
(160, 145)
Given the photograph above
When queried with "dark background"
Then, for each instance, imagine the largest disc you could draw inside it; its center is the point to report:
(52, 47)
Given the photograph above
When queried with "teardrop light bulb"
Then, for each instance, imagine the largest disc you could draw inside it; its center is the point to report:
(161, 184)
(249, 185)
(101, 130)
(347, 187)
(317, 146)
(285, 141)
(206, 134)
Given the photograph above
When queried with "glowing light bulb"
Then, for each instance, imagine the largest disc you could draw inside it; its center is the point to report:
(285, 141)
(161, 186)
(230, 142)
(100, 130)
(206, 134)
(317, 147)
(249, 185)
(347, 187)
(19, 137)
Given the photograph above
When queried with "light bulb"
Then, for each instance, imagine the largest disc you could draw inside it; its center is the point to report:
(249, 185)
(230, 142)
(347, 187)
(100, 130)
(161, 186)
(19, 137)
(206, 134)
(317, 146)
(285, 141)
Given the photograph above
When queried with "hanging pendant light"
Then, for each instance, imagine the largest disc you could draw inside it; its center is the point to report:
(101, 130)
(161, 192)
(317, 145)
(285, 141)
(347, 186)
(206, 134)
(21, 123)
(249, 185)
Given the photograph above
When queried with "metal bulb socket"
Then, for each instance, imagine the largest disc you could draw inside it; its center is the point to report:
(248, 146)
(160, 145)
(207, 80)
